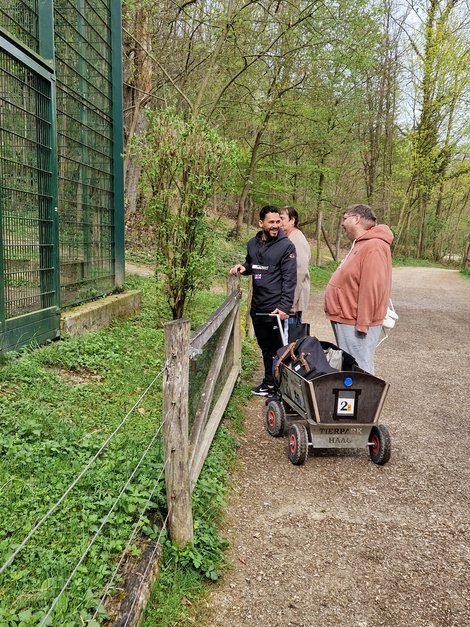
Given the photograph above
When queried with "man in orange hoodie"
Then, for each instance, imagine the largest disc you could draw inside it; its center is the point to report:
(358, 292)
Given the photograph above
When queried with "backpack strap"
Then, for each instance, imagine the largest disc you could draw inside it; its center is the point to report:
(288, 351)
(291, 347)
(304, 362)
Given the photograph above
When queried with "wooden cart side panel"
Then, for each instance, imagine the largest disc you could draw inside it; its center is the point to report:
(367, 390)
(296, 393)
(317, 400)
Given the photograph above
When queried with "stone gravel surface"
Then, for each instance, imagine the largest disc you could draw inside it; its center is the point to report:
(341, 541)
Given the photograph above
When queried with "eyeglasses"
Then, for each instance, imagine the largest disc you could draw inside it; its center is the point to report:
(349, 215)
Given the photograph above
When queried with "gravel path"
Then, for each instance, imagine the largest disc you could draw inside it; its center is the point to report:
(139, 270)
(341, 541)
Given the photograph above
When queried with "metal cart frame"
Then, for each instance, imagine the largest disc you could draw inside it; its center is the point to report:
(333, 411)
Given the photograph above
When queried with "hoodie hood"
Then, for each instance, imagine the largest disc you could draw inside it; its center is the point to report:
(380, 231)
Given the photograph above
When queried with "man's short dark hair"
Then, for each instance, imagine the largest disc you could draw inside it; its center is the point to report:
(267, 209)
(292, 213)
(363, 211)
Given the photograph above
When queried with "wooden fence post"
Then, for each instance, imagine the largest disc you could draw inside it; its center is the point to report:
(175, 431)
(233, 285)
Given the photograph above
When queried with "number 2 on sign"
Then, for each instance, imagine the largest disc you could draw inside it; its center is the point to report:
(345, 404)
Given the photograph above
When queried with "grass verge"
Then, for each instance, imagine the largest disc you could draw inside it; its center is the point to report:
(319, 276)
(185, 572)
(58, 404)
(399, 260)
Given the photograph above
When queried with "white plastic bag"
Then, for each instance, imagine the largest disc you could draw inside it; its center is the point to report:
(389, 321)
(391, 317)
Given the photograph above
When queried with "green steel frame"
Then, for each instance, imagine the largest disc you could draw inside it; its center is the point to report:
(118, 143)
(29, 307)
(61, 178)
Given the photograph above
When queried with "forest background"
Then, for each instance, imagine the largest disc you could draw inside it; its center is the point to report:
(228, 105)
(311, 103)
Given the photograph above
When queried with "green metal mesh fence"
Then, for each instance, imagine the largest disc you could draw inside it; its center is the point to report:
(59, 142)
(20, 18)
(26, 203)
(85, 148)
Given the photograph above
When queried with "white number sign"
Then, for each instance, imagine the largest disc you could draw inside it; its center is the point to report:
(346, 402)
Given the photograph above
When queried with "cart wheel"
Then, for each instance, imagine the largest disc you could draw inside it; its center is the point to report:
(380, 444)
(275, 418)
(297, 446)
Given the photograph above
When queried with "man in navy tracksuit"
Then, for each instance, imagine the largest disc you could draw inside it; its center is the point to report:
(271, 260)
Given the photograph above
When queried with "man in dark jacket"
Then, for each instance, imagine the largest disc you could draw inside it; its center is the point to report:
(271, 260)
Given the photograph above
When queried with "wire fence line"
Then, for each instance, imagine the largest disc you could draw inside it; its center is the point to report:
(129, 541)
(47, 515)
(175, 457)
(103, 523)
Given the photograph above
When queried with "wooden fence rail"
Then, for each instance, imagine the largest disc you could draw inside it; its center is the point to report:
(185, 452)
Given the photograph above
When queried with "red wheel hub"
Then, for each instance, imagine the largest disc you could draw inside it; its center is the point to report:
(293, 443)
(271, 418)
(375, 444)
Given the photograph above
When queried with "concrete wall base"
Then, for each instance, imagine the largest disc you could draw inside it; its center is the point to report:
(99, 314)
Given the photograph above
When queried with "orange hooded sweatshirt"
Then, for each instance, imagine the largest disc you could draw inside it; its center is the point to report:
(359, 290)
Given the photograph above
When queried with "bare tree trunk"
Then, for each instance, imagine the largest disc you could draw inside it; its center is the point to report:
(374, 132)
(389, 120)
(437, 240)
(338, 242)
(321, 185)
(137, 93)
(466, 254)
(422, 213)
(389, 113)
(319, 232)
(250, 173)
(332, 252)
(246, 189)
(406, 242)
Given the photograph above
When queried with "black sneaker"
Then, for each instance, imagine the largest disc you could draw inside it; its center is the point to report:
(261, 390)
(273, 395)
